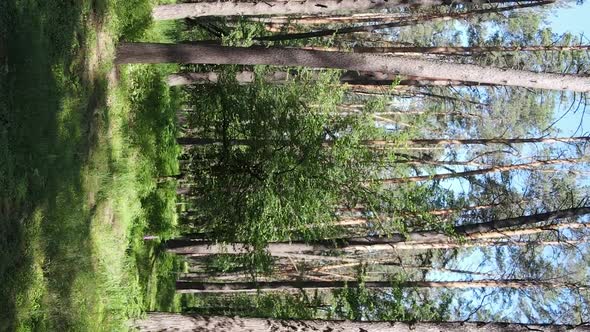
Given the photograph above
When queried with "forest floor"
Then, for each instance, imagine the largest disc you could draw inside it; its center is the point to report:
(81, 144)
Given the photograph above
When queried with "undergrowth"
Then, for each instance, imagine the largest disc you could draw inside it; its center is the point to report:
(81, 144)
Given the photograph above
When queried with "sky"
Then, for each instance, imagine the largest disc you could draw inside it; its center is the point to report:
(574, 18)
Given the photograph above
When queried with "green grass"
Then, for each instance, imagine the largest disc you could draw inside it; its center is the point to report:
(80, 146)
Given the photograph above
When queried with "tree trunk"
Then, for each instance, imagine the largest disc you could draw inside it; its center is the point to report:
(385, 143)
(476, 240)
(440, 212)
(429, 239)
(452, 50)
(397, 24)
(308, 7)
(214, 54)
(193, 78)
(184, 286)
(485, 141)
(333, 19)
(168, 322)
(493, 169)
(349, 77)
(171, 177)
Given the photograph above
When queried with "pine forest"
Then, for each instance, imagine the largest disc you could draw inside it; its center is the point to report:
(294, 165)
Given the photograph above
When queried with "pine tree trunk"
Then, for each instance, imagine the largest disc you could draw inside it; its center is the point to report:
(493, 169)
(495, 229)
(334, 19)
(168, 322)
(474, 242)
(507, 141)
(214, 54)
(397, 24)
(441, 212)
(193, 78)
(171, 177)
(308, 7)
(384, 143)
(185, 286)
(450, 50)
(350, 77)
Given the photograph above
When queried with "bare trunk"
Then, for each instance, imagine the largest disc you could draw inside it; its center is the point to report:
(455, 50)
(214, 54)
(429, 239)
(353, 78)
(441, 212)
(485, 141)
(476, 240)
(396, 24)
(168, 322)
(334, 19)
(250, 287)
(493, 169)
(386, 143)
(193, 78)
(308, 7)
(171, 177)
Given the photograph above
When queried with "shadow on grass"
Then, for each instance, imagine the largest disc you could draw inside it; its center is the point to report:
(45, 105)
(157, 273)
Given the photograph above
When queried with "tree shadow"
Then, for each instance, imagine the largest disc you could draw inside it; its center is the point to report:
(46, 104)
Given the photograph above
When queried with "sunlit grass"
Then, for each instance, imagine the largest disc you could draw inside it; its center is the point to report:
(75, 172)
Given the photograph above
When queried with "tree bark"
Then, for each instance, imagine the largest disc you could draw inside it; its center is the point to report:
(493, 169)
(168, 322)
(308, 7)
(414, 240)
(332, 19)
(456, 50)
(397, 24)
(349, 77)
(440, 212)
(214, 54)
(386, 143)
(485, 141)
(185, 286)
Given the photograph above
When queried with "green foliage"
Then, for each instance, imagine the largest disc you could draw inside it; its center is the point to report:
(394, 304)
(242, 34)
(283, 306)
(255, 263)
(156, 273)
(284, 178)
(152, 105)
(135, 17)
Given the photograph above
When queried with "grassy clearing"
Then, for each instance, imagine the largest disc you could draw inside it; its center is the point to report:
(80, 146)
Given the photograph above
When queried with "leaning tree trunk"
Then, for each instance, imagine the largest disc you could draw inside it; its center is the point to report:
(168, 322)
(414, 240)
(215, 54)
(352, 221)
(349, 77)
(323, 19)
(187, 286)
(471, 50)
(396, 24)
(308, 7)
(493, 169)
(198, 141)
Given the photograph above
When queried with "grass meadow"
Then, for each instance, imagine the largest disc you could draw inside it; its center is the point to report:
(81, 145)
